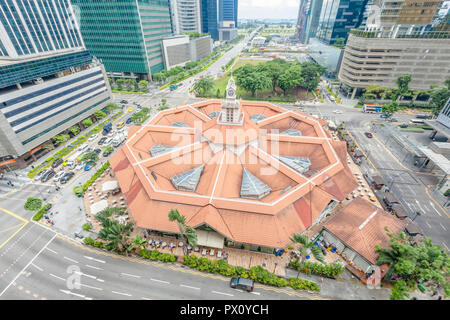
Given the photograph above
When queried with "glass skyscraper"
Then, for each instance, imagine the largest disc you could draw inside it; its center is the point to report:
(32, 28)
(126, 34)
(337, 17)
(218, 14)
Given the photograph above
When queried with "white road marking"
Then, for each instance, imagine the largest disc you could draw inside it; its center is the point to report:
(121, 293)
(40, 269)
(71, 260)
(57, 277)
(418, 205)
(226, 294)
(90, 258)
(257, 293)
(96, 268)
(428, 224)
(146, 298)
(432, 205)
(85, 285)
(130, 275)
(75, 294)
(18, 275)
(51, 250)
(442, 226)
(185, 286)
(159, 281)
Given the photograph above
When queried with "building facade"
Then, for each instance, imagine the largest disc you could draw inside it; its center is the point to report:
(180, 49)
(220, 18)
(302, 19)
(210, 18)
(33, 28)
(338, 17)
(186, 16)
(126, 35)
(369, 59)
(48, 81)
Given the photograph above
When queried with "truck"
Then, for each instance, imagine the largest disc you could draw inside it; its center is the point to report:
(107, 128)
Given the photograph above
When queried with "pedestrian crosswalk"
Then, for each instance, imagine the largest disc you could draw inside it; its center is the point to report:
(13, 180)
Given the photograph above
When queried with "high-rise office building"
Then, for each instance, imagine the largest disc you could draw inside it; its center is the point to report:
(126, 34)
(48, 81)
(219, 19)
(186, 16)
(302, 19)
(32, 28)
(338, 17)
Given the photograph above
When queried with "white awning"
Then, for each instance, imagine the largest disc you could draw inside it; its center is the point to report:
(210, 239)
(110, 185)
(438, 159)
(99, 206)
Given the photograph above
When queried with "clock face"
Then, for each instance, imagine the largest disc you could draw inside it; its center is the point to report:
(231, 92)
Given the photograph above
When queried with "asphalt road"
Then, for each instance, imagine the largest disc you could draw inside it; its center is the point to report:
(38, 264)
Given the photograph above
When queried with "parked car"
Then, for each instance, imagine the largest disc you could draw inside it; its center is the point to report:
(93, 137)
(58, 176)
(242, 283)
(78, 235)
(79, 167)
(130, 110)
(124, 101)
(87, 167)
(128, 120)
(338, 111)
(47, 175)
(70, 164)
(57, 162)
(107, 142)
(83, 148)
(120, 125)
(98, 151)
(368, 134)
(102, 140)
(111, 134)
(40, 174)
(67, 177)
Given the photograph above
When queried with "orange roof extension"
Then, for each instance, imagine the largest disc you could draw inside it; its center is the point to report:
(184, 159)
(360, 225)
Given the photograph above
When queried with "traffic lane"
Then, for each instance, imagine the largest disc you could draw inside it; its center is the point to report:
(20, 251)
(134, 279)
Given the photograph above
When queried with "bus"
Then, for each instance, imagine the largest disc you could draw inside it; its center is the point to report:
(372, 108)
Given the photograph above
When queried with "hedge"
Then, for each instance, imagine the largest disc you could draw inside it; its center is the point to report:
(33, 204)
(329, 270)
(256, 273)
(41, 212)
(156, 255)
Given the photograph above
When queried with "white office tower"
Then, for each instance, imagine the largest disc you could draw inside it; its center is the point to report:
(48, 80)
(186, 16)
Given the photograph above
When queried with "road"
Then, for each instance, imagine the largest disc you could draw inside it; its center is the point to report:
(409, 186)
(39, 264)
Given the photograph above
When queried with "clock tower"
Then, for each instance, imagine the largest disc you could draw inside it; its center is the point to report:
(231, 107)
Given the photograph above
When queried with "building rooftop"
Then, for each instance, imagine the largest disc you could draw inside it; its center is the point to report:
(231, 177)
(361, 226)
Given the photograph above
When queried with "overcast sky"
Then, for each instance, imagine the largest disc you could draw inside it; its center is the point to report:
(260, 9)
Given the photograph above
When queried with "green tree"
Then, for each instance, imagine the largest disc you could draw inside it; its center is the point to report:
(403, 84)
(399, 290)
(252, 79)
(274, 70)
(60, 138)
(89, 156)
(438, 100)
(447, 83)
(191, 64)
(33, 204)
(143, 84)
(390, 108)
(203, 86)
(119, 83)
(99, 114)
(307, 248)
(87, 122)
(108, 149)
(424, 262)
(186, 231)
(137, 244)
(310, 74)
(291, 78)
(74, 130)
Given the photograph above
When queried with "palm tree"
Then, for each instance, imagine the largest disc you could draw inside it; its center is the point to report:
(186, 231)
(307, 247)
(137, 244)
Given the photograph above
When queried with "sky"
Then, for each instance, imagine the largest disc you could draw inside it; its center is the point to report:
(275, 9)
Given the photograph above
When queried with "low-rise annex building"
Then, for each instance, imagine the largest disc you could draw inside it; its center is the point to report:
(249, 173)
